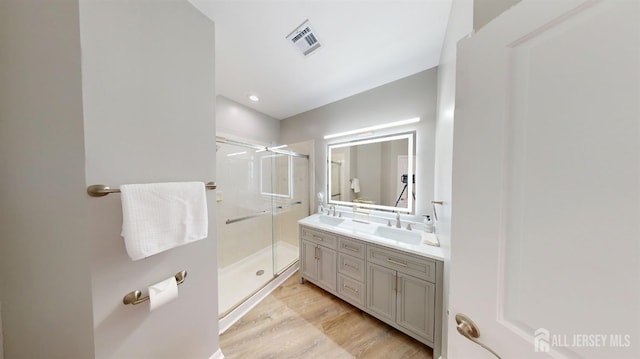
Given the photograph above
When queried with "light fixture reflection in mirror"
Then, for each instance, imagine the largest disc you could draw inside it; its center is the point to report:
(376, 173)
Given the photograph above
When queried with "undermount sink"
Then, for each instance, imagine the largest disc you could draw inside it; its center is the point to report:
(371, 229)
(400, 235)
(332, 221)
(358, 226)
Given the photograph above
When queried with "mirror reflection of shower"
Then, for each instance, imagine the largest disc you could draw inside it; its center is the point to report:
(262, 192)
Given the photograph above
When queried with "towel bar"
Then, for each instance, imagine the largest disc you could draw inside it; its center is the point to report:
(100, 190)
(135, 297)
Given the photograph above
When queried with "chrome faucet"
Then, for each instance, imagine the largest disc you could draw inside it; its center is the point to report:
(398, 224)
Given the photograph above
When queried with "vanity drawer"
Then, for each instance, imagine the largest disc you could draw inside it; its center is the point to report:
(351, 266)
(418, 267)
(351, 289)
(351, 247)
(325, 239)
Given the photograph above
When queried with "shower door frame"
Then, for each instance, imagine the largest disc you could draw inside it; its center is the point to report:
(275, 271)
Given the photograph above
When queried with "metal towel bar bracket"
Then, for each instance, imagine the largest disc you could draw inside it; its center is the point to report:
(100, 190)
(136, 297)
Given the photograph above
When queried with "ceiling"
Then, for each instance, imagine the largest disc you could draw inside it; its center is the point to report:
(364, 44)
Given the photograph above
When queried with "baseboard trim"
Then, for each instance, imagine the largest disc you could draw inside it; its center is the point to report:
(217, 355)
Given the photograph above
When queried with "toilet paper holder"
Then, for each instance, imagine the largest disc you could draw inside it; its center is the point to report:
(136, 297)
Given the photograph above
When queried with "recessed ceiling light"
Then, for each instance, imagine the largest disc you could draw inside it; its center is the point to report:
(253, 97)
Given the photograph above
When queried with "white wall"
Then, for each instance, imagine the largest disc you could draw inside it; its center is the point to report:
(148, 76)
(460, 24)
(368, 169)
(242, 122)
(413, 96)
(389, 174)
(45, 246)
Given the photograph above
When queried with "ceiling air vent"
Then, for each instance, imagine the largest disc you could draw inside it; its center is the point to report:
(304, 39)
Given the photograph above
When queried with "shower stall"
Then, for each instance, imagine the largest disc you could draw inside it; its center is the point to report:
(262, 193)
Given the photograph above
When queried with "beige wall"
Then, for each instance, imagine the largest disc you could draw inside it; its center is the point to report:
(245, 123)
(148, 76)
(413, 96)
(45, 246)
(148, 115)
(486, 10)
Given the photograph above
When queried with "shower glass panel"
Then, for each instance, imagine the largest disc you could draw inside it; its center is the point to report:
(292, 175)
(261, 195)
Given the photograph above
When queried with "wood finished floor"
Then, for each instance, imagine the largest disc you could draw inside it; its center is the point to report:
(302, 321)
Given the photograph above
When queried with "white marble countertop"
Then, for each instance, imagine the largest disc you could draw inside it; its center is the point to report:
(365, 232)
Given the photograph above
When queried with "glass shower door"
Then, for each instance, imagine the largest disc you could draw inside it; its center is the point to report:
(244, 222)
(292, 177)
(261, 195)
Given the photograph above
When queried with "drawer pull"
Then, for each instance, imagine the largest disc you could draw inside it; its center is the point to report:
(350, 288)
(396, 262)
(351, 266)
(317, 237)
(353, 249)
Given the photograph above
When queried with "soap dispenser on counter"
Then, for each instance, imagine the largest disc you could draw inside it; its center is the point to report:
(320, 197)
(428, 224)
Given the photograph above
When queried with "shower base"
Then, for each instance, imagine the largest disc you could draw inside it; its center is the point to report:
(239, 281)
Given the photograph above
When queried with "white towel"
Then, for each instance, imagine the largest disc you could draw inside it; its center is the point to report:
(160, 216)
(355, 185)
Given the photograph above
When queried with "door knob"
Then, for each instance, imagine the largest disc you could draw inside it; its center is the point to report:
(466, 326)
(468, 329)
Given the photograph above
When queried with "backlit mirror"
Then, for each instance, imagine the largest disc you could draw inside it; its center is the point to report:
(376, 173)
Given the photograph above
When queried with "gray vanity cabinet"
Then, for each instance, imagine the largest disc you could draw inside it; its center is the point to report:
(381, 293)
(400, 288)
(319, 258)
(415, 305)
(402, 299)
(351, 271)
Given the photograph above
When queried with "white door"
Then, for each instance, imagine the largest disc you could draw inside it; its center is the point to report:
(546, 183)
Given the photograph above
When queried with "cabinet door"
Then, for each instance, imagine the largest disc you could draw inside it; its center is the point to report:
(416, 305)
(381, 291)
(309, 264)
(327, 268)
